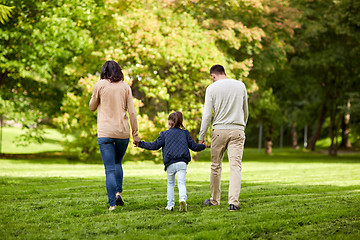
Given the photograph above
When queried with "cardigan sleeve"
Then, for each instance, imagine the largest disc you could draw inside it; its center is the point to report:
(95, 98)
(132, 114)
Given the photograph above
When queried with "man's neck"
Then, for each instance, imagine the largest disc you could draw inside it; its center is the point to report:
(220, 77)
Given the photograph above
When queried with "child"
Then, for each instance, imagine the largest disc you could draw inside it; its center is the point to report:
(175, 143)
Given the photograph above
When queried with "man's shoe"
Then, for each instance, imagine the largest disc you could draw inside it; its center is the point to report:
(119, 201)
(183, 206)
(234, 208)
(207, 202)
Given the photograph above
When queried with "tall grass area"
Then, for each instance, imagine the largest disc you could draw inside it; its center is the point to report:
(290, 195)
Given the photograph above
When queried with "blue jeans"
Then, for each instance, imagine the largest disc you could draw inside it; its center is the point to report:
(178, 169)
(112, 152)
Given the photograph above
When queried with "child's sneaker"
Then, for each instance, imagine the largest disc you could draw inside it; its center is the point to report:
(183, 206)
(170, 208)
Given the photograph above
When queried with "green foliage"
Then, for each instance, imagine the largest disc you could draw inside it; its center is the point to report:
(77, 119)
(324, 63)
(294, 57)
(354, 111)
(40, 51)
(290, 195)
(163, 58)
(267, 111)
(255, 37)
(5, 13)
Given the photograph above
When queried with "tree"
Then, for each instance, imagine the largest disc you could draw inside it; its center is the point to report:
(254, 38)
(41, 49)
(324, 57)
(163, 58)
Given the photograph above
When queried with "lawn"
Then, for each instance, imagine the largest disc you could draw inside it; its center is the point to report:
(9, 144)
(290, 195)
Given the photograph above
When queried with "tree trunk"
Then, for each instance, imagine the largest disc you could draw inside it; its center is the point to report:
(294, 137)
(333, 147)
(345, 141)
(3, 77)
(317, 132)
(268, 146)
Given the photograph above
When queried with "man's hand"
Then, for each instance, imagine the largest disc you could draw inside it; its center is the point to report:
(201, 141)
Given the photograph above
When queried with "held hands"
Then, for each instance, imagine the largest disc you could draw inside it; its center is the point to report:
(202, 142)
(136, 141)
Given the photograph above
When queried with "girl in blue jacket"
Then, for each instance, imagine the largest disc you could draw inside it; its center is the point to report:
(175, 143)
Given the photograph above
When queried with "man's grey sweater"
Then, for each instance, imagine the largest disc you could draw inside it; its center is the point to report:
(228, 99)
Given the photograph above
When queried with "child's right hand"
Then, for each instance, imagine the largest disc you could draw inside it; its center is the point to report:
(136, 143)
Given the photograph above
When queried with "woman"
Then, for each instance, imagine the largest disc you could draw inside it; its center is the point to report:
(112, 98)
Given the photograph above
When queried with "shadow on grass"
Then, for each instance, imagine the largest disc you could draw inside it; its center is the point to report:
(46, 158)
(250, 155)
(288, 155)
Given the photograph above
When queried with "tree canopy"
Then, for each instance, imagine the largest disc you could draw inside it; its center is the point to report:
(298, 59)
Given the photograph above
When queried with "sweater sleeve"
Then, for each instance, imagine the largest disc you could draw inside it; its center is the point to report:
(157, 144)
(207, 113)
(95, 98)
(132, 114)
(193, 145)
(245, 107)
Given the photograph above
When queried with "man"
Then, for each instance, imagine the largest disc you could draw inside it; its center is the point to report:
(228, 99)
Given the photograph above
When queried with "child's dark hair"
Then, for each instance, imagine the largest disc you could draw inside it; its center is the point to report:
(176, 118)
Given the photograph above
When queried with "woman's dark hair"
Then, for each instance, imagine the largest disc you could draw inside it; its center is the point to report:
(112, 71)
(176, 118)
(217, 69)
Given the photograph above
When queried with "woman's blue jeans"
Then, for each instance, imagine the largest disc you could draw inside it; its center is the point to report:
(112, 152)
(178, 169)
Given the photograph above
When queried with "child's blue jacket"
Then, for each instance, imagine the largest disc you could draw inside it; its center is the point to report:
(175, 144)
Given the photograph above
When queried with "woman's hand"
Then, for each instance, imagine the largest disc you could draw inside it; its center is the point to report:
(136, 141)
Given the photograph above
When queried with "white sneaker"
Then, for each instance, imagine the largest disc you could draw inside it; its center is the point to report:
(170, 208)
(183, 206)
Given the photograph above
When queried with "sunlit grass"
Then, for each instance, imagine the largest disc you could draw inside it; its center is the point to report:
(293, 194)
(290, 195)
(10, 145)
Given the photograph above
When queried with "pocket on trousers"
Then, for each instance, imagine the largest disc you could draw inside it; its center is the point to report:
(241, 135)
(214, 135)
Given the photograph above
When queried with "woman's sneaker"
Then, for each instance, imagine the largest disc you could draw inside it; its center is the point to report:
(119, 200)
(170, 208)
(183, 206)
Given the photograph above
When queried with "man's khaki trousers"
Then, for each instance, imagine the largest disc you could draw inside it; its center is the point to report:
(233, 141)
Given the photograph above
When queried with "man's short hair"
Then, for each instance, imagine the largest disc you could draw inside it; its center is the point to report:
(217, 69)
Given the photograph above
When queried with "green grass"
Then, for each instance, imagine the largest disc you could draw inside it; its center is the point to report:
(290, 195)
(9, 143)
